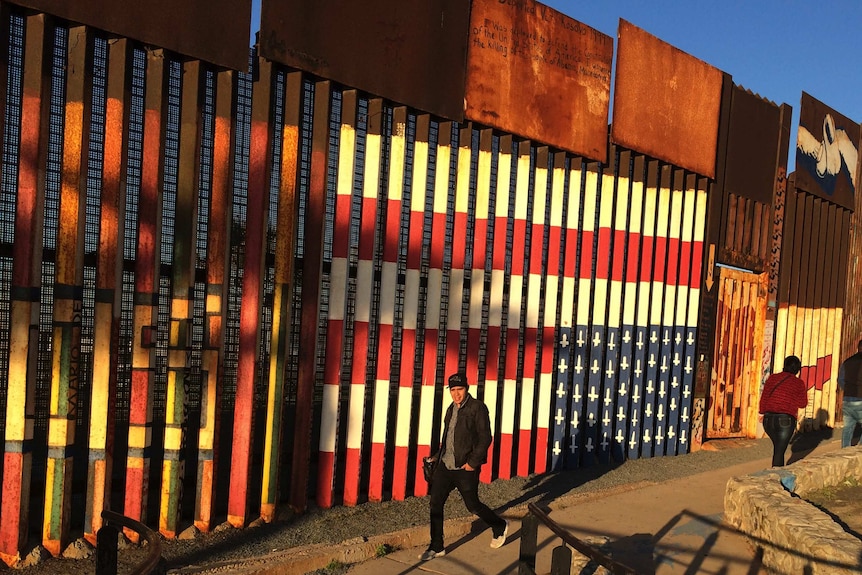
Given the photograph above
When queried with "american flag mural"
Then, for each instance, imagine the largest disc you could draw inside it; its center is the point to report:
(566, 290)
(624, 375)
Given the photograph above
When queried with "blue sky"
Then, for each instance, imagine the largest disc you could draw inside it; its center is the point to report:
(776, 49)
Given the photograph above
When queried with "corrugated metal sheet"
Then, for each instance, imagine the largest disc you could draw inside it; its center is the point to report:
(539, 74)
(409, 52)
(666, 102)
(215, 31)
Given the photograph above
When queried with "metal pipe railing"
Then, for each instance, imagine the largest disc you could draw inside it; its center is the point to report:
(561, 560)
(106, 546)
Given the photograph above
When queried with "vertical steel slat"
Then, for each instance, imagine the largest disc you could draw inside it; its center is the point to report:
(390, 334)
(673, 290)
(514, 324)
(399, 218)
(26, 260)
(826, 358)
(816, 290)
(411, 356)
(285, 240)
(686, 318)
(640, 395)
(427, 435)
(457, 230)
(797, 293)
(689, 431)
(743, 225)
(478, 344)
(418, 261)
(106, 316)
(68, 293)
(601, 326)
(730, 212)
(252, 294)
(477, 328)
(764, 239)
(182, 300)
(532, 318)
(146, 295)
(632, 339)
(387, 353)
(498, 281)
(331, 413)
(563, 452)
(783, 337)
(587, 288)
(843, 228)
(617, 365)
(550, 327)
(528, 177)
(658, 288)
(368, 195)
(218, 250)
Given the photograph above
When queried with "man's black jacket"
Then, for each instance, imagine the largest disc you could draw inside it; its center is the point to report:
(472, 433)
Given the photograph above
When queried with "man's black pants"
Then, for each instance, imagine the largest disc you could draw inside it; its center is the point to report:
(467, 483)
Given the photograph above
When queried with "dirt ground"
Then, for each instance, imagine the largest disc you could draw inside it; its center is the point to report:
(843, 502)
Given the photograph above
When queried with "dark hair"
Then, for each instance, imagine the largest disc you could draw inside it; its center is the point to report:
(792, 364)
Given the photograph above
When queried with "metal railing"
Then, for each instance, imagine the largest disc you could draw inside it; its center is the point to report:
(106, 546)
(561, 558)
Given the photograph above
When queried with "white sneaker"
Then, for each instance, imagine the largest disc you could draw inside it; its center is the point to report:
(432, 554)
(497, 542)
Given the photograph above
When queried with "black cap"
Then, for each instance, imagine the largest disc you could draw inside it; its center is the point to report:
(458, 380)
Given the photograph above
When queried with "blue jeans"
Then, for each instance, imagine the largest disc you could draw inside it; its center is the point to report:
(779, 427)
(852, 409)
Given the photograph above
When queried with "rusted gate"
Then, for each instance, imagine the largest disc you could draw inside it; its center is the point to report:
(737, 358)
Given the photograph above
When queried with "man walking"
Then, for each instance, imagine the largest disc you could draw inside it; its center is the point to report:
(463, 450)
(850, 381)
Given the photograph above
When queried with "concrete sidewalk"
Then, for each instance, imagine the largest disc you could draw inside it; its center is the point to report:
(673, 527)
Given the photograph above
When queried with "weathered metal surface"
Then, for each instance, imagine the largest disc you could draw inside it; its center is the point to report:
(539, 74)
(752, 149)
(809, 318)
(215, 31)
(826, 153)
(666, 102)
(737, 355)
(29, 210)
(409, 52)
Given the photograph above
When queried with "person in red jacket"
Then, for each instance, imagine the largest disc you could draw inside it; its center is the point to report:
(783, 396)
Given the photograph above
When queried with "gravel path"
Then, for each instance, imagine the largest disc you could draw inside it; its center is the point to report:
(339, 524)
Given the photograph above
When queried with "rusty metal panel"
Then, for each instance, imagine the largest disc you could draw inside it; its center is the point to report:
(826, 153)
(215, 31)
(666, 102)
(539, 74)
(410, 52)
(752, 150)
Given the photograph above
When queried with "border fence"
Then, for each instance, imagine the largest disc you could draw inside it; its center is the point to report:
(223, 291)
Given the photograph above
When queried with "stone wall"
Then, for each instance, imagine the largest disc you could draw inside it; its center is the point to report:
(796, 537)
